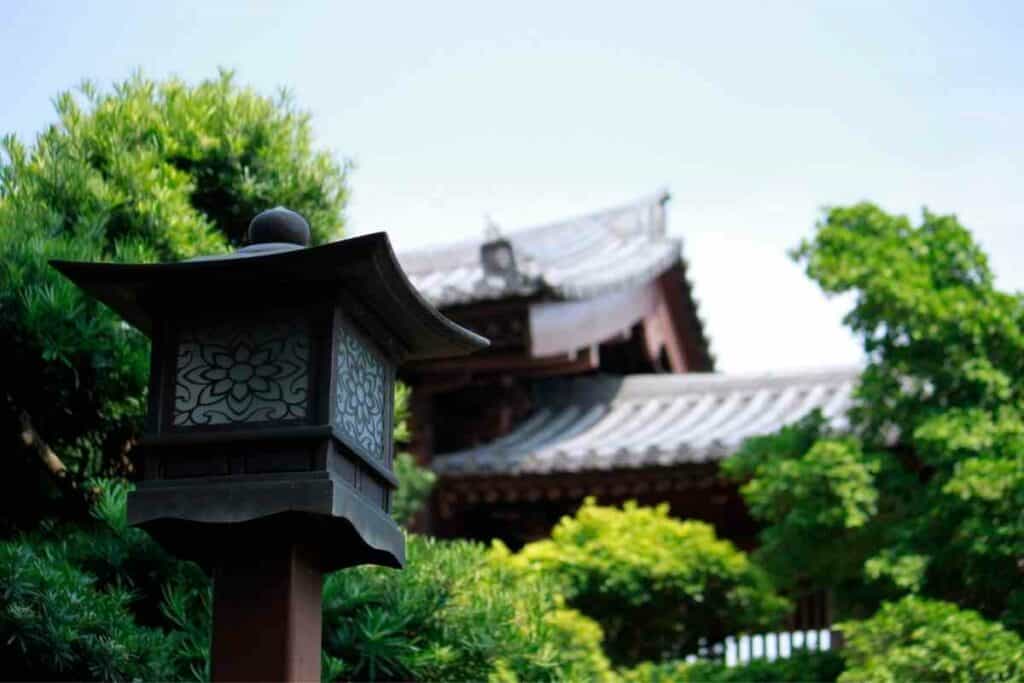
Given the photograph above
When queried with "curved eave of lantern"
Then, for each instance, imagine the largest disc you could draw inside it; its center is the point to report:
(364, 268)
(307, 512)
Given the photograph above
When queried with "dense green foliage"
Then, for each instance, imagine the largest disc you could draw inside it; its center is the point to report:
(925, 496)
(917, 639)
(96, 600)
(801, 667)
(147, 172)
(99, 600)
(656, 585)
(816, 491)
(414, 482)
(103, 601)
(455, 613)
(414, 486)
(914, 516)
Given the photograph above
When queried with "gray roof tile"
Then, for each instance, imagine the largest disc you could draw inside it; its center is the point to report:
(601, 423)
(574, 259)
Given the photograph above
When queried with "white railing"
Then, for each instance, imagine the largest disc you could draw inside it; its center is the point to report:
(770, 646)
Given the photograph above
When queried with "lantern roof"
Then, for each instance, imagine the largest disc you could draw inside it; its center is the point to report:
(362, 269)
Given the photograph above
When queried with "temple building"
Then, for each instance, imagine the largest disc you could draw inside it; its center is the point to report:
(599, 382)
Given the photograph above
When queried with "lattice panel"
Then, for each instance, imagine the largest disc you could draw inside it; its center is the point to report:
(362, 392)
(241, 373)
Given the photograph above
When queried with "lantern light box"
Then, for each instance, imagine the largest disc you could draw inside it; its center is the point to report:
(271, 389)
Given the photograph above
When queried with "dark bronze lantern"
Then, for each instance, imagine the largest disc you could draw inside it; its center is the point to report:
(271, 389)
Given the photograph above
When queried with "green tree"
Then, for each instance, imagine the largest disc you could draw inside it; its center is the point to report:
(924, 493)
(146, 172)
(656, 585)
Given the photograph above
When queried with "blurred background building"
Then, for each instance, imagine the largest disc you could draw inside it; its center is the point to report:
(599, 382)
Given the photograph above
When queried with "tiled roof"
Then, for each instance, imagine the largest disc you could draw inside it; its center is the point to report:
(574, 259)
(605, 423)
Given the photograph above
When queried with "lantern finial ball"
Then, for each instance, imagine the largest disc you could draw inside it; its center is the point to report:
(279, 226)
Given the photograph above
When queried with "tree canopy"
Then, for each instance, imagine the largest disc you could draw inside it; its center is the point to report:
(145, 172)
(924, 496)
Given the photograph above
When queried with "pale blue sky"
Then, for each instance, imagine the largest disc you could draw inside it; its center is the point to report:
(754, 115)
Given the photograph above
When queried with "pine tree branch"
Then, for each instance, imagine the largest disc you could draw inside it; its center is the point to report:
(32, 440)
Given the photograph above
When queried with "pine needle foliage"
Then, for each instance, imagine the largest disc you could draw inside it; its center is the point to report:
(99, 600)
(147, 171)
(81, 601)
(455, 613)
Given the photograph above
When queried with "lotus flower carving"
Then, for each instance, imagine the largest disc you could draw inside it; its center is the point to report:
(254, 373)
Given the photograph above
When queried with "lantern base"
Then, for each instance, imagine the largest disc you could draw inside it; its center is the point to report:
(202, 519)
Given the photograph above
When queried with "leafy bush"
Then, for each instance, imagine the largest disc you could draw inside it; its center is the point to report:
(150, 171)
(671, 671)
(801, 667)
(456, 612)
(656, 585)
(100, 600)
(926, 640)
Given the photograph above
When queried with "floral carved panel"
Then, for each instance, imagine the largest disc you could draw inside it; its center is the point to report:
(362, 392)
(241, 373)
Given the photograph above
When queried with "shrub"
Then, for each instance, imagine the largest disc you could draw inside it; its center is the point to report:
(456, 612)
(56, 624)
(802, 667)
(656, 585)
(83, 602)
(100, 600)
(917, 639)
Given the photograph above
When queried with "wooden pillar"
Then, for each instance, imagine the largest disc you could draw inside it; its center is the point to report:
(267, 616)
(421, 424)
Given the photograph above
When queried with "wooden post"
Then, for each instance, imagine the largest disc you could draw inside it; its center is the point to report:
(266, 615)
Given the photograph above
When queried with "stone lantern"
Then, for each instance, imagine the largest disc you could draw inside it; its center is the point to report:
(267, 450)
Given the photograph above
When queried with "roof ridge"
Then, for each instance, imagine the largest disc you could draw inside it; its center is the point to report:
(655, 385)
(809, 372)
(466, 252)
(608, 388)
(655, 199)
